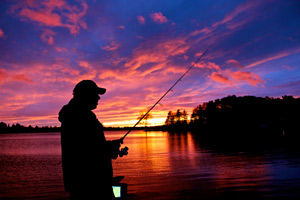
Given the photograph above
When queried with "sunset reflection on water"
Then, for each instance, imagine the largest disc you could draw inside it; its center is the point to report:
(163, 165)
(160, 165)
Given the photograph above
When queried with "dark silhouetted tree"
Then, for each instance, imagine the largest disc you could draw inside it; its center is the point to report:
(146, 118)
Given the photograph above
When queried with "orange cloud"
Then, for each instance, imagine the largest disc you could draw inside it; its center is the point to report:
(158, 18)
(141, 19)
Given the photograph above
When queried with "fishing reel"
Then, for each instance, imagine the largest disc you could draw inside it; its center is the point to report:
(123, 151)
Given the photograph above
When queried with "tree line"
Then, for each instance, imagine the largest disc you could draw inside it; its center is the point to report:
(18, 128)
(240, 116)
(178, 118)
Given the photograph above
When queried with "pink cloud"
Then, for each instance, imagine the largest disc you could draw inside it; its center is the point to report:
(235, 77)
(156, 67)
(84, 64)
(197, 32)
(61, 49)
(274, 57)
(112, 46)
(158, 18)
(141, 19)
(53, 14)
(198, 54)
(74, 21)
(3, 74)
(47, 36)
(231, 21)
(129, 78)
(290, 68)
(156, 52)
(235, 63)
(208, 65)
(1, 33)
(121, 27)
(248, 77)
(219, 78)
(22, 78)
(45, 18)
(11, 77)
(53, 3)
(106, 74)
(139, 37)
(245, 7)
(240, 22)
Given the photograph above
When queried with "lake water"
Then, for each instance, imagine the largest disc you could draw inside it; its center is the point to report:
(160, 165)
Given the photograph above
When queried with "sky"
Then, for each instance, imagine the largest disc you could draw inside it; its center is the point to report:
(138, 49)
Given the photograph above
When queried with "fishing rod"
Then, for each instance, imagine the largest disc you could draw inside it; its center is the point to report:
(163, 96)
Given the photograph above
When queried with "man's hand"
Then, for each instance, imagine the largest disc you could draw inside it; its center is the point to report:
(115, 145)
(121, 140)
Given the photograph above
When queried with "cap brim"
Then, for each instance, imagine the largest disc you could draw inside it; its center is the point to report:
(101, 90)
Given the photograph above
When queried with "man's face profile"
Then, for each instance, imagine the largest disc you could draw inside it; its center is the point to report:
(91, 100)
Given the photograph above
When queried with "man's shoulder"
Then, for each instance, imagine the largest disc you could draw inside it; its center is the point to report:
(73, 112)
(65, 113)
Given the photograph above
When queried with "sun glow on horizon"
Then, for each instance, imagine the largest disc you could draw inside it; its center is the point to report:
(130, 123)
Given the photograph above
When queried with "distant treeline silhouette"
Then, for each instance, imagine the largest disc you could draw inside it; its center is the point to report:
(18, 128)
(240, 116)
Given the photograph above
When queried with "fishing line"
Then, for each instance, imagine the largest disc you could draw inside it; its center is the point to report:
(170, 89)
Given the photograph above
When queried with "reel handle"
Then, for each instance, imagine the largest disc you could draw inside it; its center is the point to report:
(123, 151)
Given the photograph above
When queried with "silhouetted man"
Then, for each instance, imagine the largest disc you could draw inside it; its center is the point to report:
(86, 155)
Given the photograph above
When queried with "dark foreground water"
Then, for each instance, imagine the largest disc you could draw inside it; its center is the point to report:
(160, 165)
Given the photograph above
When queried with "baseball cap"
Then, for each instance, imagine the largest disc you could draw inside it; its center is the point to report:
(87, 87)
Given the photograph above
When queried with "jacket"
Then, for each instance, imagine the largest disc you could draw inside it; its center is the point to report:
(86, 155)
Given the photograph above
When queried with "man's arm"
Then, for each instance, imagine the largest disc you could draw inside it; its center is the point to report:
(113, 147)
